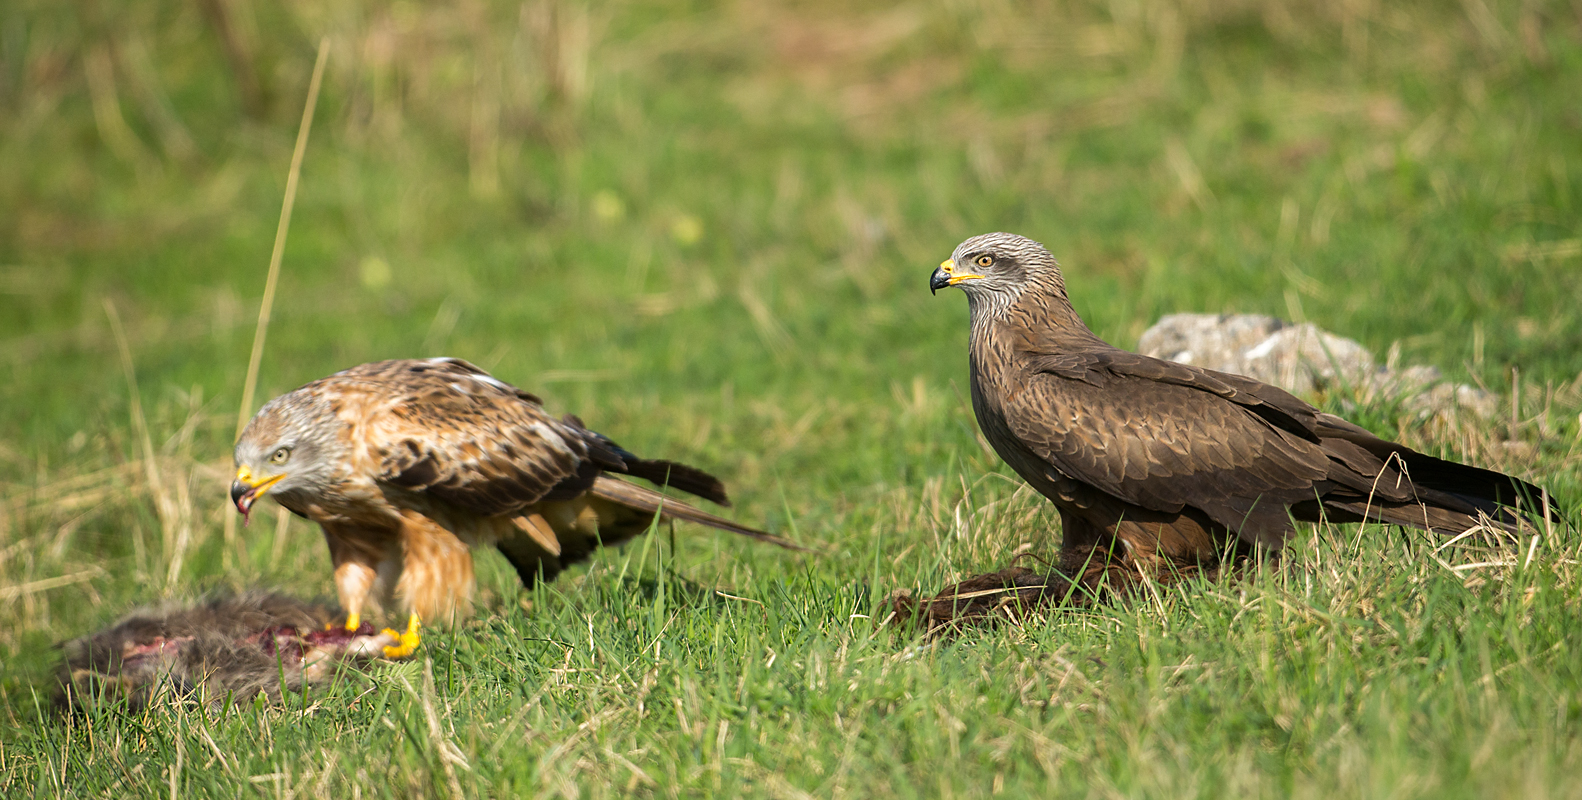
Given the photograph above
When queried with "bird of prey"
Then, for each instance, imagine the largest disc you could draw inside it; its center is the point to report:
(1153, 464)
(409, 464)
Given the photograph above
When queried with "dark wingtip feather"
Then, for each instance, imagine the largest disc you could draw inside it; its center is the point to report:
(615, 458)
(1481, 485)
(679, 476)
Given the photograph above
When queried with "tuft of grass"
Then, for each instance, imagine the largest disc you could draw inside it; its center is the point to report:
(705, 228)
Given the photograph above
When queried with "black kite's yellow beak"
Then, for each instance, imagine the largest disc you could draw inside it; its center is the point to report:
(246, 490)
(946, 275)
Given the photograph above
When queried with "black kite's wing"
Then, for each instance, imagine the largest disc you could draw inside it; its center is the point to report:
(1165, 436)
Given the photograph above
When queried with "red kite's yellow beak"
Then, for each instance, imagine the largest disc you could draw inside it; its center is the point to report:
(246, 490)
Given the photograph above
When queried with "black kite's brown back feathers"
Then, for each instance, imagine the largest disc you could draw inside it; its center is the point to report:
(1485, 489)
(1242, 451)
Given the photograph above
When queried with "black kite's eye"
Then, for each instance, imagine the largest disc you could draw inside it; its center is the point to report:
(280, 456)
(985, 261)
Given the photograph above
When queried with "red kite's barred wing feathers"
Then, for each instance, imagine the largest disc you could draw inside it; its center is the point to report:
(449, 430)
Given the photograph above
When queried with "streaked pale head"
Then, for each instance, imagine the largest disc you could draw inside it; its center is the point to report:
(994, 268)
(290, 447)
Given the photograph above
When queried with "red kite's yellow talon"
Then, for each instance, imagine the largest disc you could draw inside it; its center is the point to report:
(408, 639)
(353, 621)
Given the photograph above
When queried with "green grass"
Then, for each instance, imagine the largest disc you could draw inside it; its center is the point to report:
(707, 229)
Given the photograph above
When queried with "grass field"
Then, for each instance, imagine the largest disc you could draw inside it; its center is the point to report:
(707, 230)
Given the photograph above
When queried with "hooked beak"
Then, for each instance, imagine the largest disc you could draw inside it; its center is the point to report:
(245, 491)
(946, 275)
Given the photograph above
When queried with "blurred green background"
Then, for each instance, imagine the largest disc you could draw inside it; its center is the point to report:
(689, 195)
(707, 228)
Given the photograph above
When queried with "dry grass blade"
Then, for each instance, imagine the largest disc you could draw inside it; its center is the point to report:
(273, 279)
(151, 470)
(250, 385)
(770, 328)
(449, 755)
(282, 527)
(31, 587)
